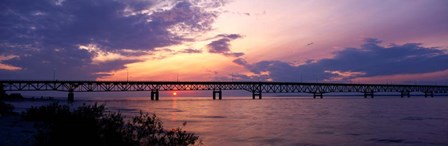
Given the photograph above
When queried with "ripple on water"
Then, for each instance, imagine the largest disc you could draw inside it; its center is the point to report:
(387, 140)
(170, 109)
(211, 117)
(415, 118)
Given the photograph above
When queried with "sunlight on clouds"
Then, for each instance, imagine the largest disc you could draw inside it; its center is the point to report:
(9, 67)
(6, 66)
(271, 27)
(8, 57)
(183, 66)
(290, 25)
(342, 75)
(102, 56)
(212, 39)
(187, 61)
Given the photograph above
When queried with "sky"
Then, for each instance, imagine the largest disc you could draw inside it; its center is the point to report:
(350, 41)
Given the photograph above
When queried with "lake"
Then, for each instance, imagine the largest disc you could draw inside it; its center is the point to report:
(294, 121)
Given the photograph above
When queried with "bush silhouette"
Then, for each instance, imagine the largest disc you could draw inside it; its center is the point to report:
(90, 125)
(5, 108)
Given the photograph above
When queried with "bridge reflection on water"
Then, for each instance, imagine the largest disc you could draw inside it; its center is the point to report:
(256, 88)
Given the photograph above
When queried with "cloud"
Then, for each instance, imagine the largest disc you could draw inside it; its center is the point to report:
(48, 34)
(244, 13)
(370, 60)
(191, 51)
(240, 61)
(242, 77)
(6, 66)
(109, 24)
(222, 45)
(185, 18)
(374, 59)
(9, 67)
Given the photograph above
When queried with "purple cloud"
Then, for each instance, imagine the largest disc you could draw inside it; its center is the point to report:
(222, 45)
(240, 61)
(191, 51)
(46, 35)
(370, 60)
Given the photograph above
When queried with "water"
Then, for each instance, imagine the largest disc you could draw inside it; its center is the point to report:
(297, 121)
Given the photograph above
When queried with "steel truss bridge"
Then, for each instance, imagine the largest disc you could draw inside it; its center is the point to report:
(256, 88)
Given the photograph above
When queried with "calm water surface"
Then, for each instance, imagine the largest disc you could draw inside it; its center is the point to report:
(297, 121)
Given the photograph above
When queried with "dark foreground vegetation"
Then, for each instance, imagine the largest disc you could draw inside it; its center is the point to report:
(5, 109)
(91, 125)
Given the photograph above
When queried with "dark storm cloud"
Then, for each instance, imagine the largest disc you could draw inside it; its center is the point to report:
(46, 34)
(371, 59)
(222, 45)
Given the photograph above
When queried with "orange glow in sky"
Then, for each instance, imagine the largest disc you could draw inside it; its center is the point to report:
(265, 36)
(244, 40)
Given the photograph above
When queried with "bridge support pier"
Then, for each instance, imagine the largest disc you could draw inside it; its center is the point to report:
(155, 94)
(405, 93)
(219, 92)
(429, 93)
(71, 95)
(368, 93)
(318, 94)
(254, 94)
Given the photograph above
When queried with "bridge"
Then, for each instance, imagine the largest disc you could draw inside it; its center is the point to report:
(256, 88)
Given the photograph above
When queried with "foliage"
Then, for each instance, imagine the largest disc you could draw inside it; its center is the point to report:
(6, 108)
(92, 125)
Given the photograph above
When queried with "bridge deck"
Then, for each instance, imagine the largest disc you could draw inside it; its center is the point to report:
(257, 88)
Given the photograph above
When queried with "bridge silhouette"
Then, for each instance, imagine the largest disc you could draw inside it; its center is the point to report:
(256, 88)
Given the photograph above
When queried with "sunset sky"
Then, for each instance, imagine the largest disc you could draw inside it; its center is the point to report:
(373, 41)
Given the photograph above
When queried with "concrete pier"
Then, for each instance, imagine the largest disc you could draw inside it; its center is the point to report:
(429, 93)
(405, 93)
(155, 95)
(318, 94)
(256, 93)
(368, 93)
(71, 95)
(219, 92)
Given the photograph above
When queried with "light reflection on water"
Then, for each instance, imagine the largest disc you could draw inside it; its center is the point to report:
(296, 121)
